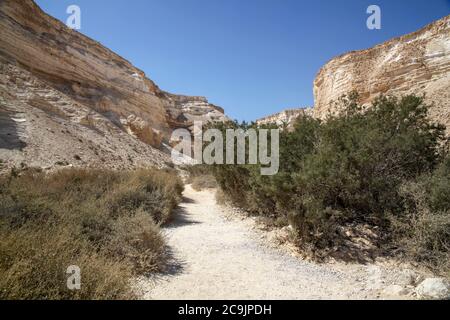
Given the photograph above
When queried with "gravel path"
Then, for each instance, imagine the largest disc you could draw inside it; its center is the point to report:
(219, 258)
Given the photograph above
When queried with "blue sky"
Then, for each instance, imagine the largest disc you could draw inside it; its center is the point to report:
(252, 57)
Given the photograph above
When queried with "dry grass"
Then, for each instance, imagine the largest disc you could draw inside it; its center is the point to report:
(105, 222)
(423, 234)
(200, 177)
(200, 183)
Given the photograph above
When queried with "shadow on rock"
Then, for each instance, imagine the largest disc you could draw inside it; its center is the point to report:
(10, 131)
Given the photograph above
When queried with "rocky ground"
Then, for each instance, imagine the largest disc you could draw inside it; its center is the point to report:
(219, 255)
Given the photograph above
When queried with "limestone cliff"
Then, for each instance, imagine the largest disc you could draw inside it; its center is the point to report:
(54, 78)
(415, 63)
(182, 111)
(76, 65)
(286, 117)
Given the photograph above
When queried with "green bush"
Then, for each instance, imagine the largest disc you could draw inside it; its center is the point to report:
(347, 169)
(103, 221)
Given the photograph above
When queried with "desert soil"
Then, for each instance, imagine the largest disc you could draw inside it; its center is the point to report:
(218, 257)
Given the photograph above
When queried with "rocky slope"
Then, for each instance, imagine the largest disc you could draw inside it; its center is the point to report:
(183, 111)
(415, 63)
(43, 127)
(286, 117)
(54, 78)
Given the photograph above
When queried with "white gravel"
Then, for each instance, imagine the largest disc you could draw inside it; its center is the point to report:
(219, 258)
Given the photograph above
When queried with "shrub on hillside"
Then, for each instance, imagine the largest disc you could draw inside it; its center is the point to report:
(423, 233)
(105, 222)
(200, 177)
(358, 162)
(200, 183)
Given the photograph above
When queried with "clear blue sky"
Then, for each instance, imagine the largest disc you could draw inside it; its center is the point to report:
(252, 57)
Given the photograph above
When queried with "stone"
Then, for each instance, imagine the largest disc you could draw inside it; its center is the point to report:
(397, 291)
(407, 277)
(287, 117)
(376, 278)
(434, 288)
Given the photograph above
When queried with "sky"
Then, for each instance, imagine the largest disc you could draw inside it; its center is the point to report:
(251, 57)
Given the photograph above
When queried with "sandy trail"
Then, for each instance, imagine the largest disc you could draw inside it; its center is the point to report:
(223, 259)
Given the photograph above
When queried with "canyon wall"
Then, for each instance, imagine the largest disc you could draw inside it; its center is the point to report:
(183, 111)
(286, 117)
(76, 65)
(64, 96)
(415, 63)
(84, 69)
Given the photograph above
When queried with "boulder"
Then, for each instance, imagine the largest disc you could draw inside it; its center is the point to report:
(434, 288)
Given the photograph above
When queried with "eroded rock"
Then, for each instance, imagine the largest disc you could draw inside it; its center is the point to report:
(434, 288)
(415, 63)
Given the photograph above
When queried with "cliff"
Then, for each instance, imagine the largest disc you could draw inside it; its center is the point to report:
(415, 63)
(182, 111)
(54, 77)
(286, 117)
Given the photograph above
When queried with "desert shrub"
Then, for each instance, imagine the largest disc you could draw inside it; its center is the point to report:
(138, 240)
(241, 183)
(133, 192)
(358, 163)
(347, 169)
(196, 170)
(423, 233)
(34, 261)
(200, 177)
(85, 218)
(200, 183)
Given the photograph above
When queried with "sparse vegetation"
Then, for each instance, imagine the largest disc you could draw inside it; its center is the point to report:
(105, 222)
(423, 233)
(204, 182)
(200, 177)
(355, 168)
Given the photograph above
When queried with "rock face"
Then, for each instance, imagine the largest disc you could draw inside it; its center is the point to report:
(286, 117)
(182, 111)
(76, 65)
(54, 77)
(43, 127)
(415, 63)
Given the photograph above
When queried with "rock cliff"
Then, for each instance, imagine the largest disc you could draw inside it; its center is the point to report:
(182, 111)
(286, 117)
(415, 63)
(55, 78)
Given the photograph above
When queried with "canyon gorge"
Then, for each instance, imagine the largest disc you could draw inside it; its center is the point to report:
(66, 100)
